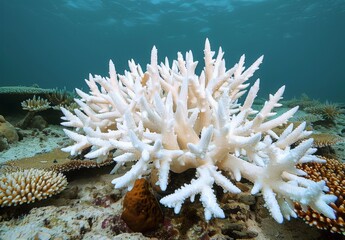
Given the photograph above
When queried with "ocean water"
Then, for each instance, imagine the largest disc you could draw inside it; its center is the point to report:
(57, 43)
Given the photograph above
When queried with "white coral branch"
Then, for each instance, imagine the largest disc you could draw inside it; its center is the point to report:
(203, 185)
(172, 119)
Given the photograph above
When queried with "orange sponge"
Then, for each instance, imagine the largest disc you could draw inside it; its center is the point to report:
(141, 209)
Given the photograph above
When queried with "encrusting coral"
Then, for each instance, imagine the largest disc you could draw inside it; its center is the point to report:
(29, 185)
(56, 160)
(172, 119)
(333, 172)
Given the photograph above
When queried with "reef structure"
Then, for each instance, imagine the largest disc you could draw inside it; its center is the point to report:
(169, 118)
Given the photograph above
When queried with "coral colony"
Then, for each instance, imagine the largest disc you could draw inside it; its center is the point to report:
(172, 119)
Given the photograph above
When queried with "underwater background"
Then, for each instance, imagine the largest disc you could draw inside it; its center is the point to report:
(57, 43)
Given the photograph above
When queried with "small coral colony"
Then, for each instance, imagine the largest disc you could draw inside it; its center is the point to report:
(168, 119)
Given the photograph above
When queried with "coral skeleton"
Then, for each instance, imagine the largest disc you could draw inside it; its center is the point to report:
(172, 119)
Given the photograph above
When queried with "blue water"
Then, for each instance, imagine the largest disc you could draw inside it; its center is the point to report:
(57, 43)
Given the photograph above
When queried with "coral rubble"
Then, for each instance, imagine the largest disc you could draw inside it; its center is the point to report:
(172, 119)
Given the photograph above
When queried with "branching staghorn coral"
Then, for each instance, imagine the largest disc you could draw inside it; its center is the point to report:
(171, 119)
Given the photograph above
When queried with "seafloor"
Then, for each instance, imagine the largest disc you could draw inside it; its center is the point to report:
(90, 207)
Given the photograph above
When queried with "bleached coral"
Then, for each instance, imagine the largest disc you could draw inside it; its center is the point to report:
(172, 119)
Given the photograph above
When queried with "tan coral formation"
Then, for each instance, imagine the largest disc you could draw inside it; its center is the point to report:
(325, 139)
(310, 118)
(329, 111)
(78, 164)
(60, 97)
(303, 101)
(35, 104)
(42, 160)
(69, 107)
(333, 172)
(58, 161)
(29, 185)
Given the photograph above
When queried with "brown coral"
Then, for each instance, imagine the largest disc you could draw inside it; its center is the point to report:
(141, 209)
(78, 164)
(60, 97)
(333, 172)
(29, 185)
(325, 139)
(329, 111)
(309, 118)
(303, 101)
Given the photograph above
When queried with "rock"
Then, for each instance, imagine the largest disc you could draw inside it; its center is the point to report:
(3, 143)
(38, 122)
(8, 131)
(42, 236)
